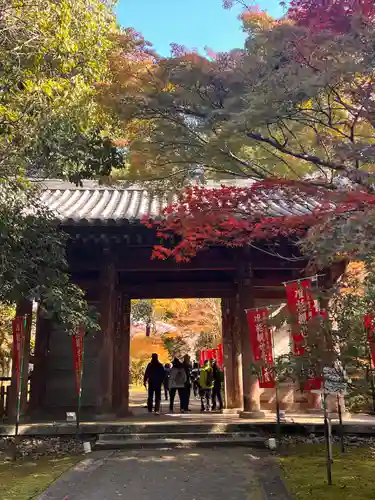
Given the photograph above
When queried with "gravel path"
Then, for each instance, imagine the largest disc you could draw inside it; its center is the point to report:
(197, 474)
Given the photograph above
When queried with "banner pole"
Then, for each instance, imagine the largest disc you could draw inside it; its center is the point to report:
(369, 329)
(312, 278)
(328, 436)
(277, 394)
(79, 398)
(256, 308)
(371, 376)
(19, 382)
(342, 443)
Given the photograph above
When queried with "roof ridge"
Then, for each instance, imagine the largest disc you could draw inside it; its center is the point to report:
(92, 184)
(87, 185)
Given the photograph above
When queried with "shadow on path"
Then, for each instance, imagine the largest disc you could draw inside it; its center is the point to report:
(199, 474)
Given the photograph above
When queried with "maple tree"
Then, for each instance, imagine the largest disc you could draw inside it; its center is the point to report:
(293, 101)
(294, 111)
(196, 323)
(141, 348)
(234, 216)
(189, 317)
(335, 15)
(198, 316)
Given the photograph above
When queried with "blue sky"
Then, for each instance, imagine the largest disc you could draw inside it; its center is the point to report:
(194, 23)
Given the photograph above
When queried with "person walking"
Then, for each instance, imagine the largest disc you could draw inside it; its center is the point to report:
(167, 371)
(206, 383)
(195, 379)
(177, 381)
(187, 367)
(216, 391)
(154, 377)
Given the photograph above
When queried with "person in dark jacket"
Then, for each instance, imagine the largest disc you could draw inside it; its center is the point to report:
(216, 391)
(154, 377)
(187, 391)
(167, 372)
(195, 379)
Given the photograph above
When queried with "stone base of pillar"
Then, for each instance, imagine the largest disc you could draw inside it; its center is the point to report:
(103, 417)
(335, 416)
(252, 414)
(124, 413)
(232, 411)
(315, 411)
(332, 403)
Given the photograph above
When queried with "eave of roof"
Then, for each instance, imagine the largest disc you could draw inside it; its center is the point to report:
(96, 204)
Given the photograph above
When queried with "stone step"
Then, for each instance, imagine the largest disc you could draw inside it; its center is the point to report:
(176, 435)
(163, 428)
(187, 443)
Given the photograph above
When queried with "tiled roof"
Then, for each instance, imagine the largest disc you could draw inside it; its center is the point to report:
(93, 203)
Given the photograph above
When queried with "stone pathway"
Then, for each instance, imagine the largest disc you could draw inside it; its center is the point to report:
(197, 474)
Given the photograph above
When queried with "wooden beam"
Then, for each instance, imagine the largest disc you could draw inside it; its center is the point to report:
(271, 294)
(183, 290)
(136, 287)
(140, 259)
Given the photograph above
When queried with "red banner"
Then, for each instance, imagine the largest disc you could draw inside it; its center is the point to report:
(267, 378)
(313, 384)
(201, 358)
(77, 341)
(370, 327)
(18, 336)
(211, 354)
(204, 356)
(261, 343)
(302, 307)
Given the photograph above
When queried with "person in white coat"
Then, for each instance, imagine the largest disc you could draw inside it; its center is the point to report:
(177, 382)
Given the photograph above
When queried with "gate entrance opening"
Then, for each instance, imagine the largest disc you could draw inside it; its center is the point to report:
(109, 254)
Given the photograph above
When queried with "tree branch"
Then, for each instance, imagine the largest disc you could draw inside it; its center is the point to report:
(306, 157)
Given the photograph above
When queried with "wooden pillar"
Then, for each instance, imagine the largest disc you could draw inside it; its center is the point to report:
(121, 356)
(39, 360)
(232, 353)
(107, 308)
(251, 391)
(24, 308)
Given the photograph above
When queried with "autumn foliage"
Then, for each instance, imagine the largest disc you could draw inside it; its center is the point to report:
(236, 216)
(143, 347)
(296, 113)
(335, 15)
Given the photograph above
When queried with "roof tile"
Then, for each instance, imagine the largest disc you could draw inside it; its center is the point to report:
(93, 203)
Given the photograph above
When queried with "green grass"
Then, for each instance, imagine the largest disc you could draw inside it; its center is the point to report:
(25, 479)
(304, 469)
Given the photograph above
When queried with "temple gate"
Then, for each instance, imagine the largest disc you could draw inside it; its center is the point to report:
(109, 254)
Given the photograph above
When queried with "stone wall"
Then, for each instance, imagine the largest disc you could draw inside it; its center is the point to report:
(60, 391)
